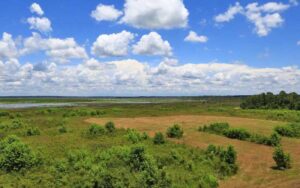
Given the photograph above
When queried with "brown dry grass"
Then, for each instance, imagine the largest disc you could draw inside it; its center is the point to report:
(255, 160)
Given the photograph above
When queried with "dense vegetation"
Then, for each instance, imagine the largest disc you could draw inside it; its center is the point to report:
(290, 130)
(56, 147)
(240, 134)
(270, 101)
(138, 162)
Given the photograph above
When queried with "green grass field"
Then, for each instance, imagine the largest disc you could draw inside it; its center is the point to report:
(68, 155)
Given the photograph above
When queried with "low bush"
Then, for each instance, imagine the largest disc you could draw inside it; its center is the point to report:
(283, 160)
(240, 134)
(32, 131)
(291, 130)
(62, 129)
(159, 138)
(3, 114)
(15, 155)
(175, 131)
(217, 128)
(96, 130)
(110, 126)
(134, 136)
(224, 159)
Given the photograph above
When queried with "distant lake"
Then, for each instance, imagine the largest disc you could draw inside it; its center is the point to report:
(34, 105)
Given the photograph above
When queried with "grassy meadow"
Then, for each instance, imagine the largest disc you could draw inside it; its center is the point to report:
(73, 147)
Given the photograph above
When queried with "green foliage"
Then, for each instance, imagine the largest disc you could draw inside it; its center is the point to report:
(15, 155)
(270, 101)
(32, 131)
(283, 160)
(290, 130)
(159, 138)
(96, 130)
(110, 126)
(217, 128)
(224, 159)
(134, 136)
(62, 129)
(3, 114)
(175, 131)
(240, 134)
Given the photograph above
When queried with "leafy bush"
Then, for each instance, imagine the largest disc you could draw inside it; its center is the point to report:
(217, 128)
(224, 159)
(110, 127)
(133, 136)
(2, 114)
(283, 160)
(240, 134)
(175, 131)
(62, 129)
(274, 140)
(159, 138)
(291, 130)
(15, 155)
(96, 130)
(145, 136)
(32, 131)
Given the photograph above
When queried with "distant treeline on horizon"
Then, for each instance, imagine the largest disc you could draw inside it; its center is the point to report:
(269, 100)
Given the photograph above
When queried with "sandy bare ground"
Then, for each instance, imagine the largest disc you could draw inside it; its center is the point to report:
(255, 160)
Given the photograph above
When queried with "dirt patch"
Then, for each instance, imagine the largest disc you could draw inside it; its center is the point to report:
(255, 160)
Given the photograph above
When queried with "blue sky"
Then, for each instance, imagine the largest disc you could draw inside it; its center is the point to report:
(260, 48)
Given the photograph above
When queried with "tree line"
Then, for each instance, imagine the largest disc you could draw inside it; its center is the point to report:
(269, 100)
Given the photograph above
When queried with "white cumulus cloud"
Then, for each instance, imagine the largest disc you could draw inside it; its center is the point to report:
(194, 37)
(230, 13)
(60, 50)
(41, 24)
(155, 14)
(265, 17)
(106, 13)
(36, 8)
(152, 44)
(116, 44)
(131, 77)
(8, 47)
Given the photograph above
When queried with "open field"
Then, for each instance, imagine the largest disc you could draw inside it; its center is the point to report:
(255, 160)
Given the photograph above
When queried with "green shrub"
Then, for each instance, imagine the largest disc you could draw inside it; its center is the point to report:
(96, 130)
(32, 131)
(2, 114)
(283, 160)
(62, 129)
(175, 131)
(137, 158)
(110, 126)
(240, 134)
(15, 155)
(291, 130)
(223, 159)
(133, 136)
(274, 139)
(217, 128)
(16, 124)
(159, 138)
(145, 136)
